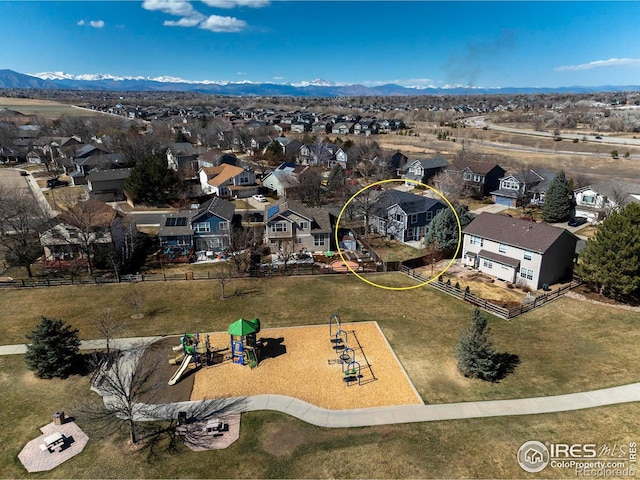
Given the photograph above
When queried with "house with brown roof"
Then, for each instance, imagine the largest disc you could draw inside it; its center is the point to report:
(228, 181)
(518, 251)
(297, 227)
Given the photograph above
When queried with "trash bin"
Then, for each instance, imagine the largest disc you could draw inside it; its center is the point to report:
(58, 418)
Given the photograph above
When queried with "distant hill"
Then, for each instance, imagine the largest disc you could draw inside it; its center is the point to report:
(316, 88)
(11, 79)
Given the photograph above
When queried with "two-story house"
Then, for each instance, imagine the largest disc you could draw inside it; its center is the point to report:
(518, 251)
(108, 185)
(481, 178)
(596, 202)
(228, 181)
(181, 156)
(422, 170)
(526, 187)
(296, 227)
(204, 229)
(403, 216)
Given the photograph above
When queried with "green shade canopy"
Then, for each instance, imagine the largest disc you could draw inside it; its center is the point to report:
(242, 327)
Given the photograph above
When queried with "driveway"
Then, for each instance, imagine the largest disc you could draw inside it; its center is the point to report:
(493, 208)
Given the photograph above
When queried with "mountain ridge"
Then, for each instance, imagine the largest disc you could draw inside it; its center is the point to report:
(314, 88)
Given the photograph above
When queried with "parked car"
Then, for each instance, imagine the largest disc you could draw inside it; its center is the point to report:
(260, 198)
(576, 221)
(24, 173)
(54, 182)
(598, 137)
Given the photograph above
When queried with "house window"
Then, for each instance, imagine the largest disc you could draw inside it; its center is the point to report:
(528, 255)
(526, 273)
(244, 180)
(223, 226)
(319, 240)
(398, 217)
(414, 218)
(298, 240)
(502, 248)
(477, 178)
(487, 263)
(589, 199)
(279, 227)
(202, 227)
(303, 225)
(467, 176)
(429, 215)
(476, 241)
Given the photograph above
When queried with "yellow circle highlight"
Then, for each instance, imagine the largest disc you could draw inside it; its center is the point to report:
(381, 182)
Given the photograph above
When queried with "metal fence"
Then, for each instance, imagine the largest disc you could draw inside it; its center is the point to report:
(484, 304)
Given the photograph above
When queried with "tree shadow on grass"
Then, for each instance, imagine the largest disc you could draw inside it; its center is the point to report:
(506, 363)
(244, 291)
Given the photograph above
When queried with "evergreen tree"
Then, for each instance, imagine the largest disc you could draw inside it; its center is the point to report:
(53, 349)
(336, 179)
(610, 261)
(557, 201)
(443, 229)
(151, 180)
(476, 356)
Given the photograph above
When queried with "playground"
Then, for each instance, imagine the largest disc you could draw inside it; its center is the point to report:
(309, 363)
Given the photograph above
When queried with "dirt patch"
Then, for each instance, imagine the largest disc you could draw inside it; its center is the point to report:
(282, 440)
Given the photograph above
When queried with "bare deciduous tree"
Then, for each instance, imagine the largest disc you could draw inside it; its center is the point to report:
(223, 276)
(21, 221)
(135, 297)
(108, 326)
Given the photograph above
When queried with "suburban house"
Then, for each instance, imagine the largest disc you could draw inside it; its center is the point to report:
(523, 188)
(402, 215)
(108, 185)
(397, 163)
(228, 181)
(181, 156)
(518, 251)
(322, 154)
(204, 229)
(596, 202)
(295, 227)
(215, 158)
(422, 170)
(283, 178)
(482, 178)
(87, 230)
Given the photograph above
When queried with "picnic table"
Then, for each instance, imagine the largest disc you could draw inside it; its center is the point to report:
(53, 442)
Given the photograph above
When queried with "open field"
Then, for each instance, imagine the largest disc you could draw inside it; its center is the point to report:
(564, 346)
(44, 108)
(273, 445)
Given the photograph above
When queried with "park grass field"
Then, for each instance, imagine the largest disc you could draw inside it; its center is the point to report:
(565, 346)
(273, 445)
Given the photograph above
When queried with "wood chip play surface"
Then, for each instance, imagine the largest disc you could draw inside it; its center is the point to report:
(302, 363)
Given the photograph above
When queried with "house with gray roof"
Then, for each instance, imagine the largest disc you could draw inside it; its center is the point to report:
(422, 170)
(526, 187)
(403, 216)
(283, 178)
(294, 226)
(108, 185)
(518, 251)
(595, 202)
(206, 228)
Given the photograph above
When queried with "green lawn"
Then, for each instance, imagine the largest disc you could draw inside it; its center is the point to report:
(273, 445)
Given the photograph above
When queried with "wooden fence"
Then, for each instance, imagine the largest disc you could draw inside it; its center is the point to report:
(484, 304)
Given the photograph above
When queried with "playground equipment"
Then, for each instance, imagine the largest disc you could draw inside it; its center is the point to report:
(195, 348)
(245, 350)
(351, 368)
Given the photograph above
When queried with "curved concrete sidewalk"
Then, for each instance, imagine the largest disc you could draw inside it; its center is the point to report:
(362, 417)
(117, 343)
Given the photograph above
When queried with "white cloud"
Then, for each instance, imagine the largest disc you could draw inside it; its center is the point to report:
(278, 78)
(96, 23)
(180, 8)
(241, 73)
(216, 23)
(81, 22)
(236, 3)
(192, 21)
(612, 62)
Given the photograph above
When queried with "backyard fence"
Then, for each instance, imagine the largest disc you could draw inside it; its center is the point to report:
(484, 304)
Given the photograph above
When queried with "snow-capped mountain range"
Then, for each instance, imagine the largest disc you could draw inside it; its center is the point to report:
(314, 88)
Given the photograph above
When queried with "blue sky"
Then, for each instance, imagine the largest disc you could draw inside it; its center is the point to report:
(488, 44)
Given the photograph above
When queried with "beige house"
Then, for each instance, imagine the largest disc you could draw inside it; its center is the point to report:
(297, 228)
(518, 251)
